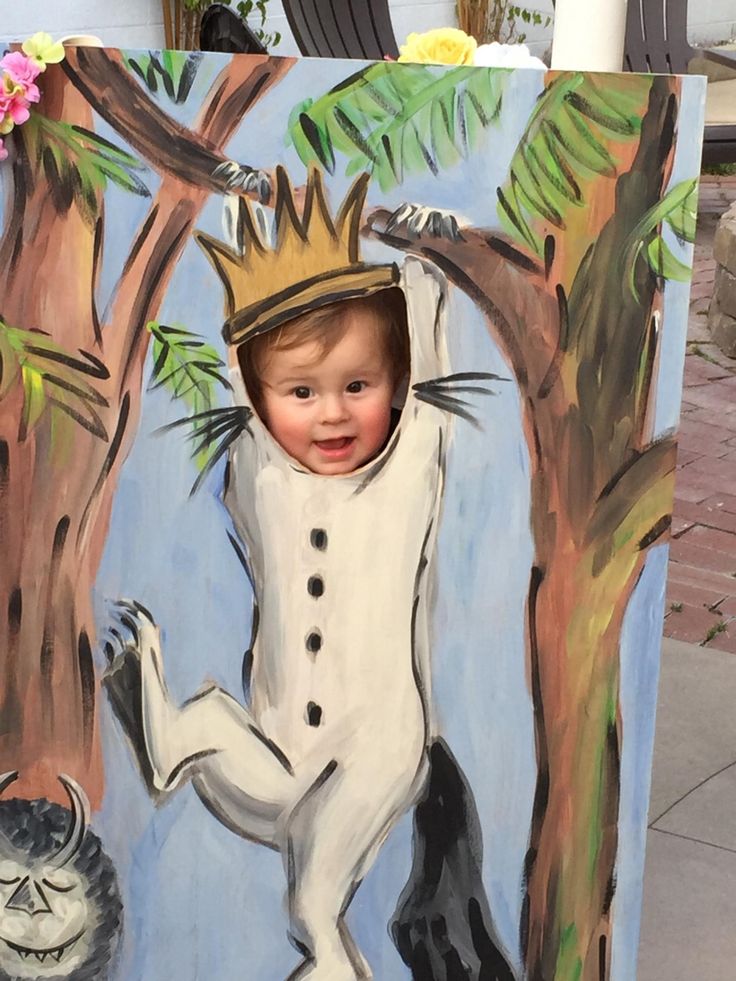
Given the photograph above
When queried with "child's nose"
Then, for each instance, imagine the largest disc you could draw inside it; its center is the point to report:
(334, 408)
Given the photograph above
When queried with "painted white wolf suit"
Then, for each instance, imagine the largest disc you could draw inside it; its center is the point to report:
(331, 749)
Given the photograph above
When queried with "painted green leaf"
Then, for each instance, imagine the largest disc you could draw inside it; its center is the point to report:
(176, 70)
(677, 209)
(78, 164)
(53, 381)
(683, 215)
(393, 120)
(572, 130)
(34, 400)
(190, 369)
(664, 263)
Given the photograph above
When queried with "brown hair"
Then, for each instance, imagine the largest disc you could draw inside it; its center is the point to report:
(326, 326)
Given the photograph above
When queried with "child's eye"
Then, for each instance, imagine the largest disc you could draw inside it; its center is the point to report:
(355, 387)
(301, 392)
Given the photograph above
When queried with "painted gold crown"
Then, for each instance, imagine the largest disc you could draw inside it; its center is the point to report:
(312, 261)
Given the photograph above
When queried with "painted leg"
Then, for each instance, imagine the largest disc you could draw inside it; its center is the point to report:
(211, 737)
(333, 836)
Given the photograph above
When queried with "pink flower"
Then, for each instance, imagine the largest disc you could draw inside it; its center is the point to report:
(21, 68)
(28, 91)
(3, 151)
(15, 99)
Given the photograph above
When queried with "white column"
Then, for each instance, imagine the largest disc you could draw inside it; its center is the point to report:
(589, 35)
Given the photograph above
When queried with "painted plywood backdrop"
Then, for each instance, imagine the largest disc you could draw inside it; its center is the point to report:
(401, 718)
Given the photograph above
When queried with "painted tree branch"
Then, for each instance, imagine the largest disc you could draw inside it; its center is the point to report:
(192, 156)
(164, 232)
(507, 284)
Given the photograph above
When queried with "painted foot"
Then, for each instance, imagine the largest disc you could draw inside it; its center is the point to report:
(132, 630)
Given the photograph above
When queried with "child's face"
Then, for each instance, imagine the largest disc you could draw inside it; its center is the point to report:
(331, 412)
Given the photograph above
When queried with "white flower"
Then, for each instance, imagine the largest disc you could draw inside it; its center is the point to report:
(497, 55)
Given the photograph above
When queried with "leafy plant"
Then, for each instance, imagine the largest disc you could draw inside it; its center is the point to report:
(497, 20)
(176, 70)
(52, 379)
(567, 136)
(79, 163)
(246, 7)
(392, 120)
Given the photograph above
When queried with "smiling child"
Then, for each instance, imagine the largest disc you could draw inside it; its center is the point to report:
(324, 383)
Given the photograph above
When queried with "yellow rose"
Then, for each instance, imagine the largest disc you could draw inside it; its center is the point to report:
(442, 46)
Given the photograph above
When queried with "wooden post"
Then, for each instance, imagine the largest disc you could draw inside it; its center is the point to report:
(168, 26)
(589, 35)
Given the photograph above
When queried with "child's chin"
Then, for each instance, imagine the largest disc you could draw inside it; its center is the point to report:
(335, 469)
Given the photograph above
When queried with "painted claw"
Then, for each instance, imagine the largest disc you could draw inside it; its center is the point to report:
(414, 221)
(240, 176)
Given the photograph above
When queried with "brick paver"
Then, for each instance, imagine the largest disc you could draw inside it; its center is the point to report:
(701, 587)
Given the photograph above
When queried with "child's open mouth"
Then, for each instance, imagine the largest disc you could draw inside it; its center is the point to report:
(335, 449)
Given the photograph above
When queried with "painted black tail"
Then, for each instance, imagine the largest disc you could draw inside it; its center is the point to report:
(442, 926)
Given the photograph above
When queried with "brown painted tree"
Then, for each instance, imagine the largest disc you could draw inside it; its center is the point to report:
(57, 480)
(579, 330)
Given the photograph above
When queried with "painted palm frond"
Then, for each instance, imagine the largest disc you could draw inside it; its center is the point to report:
(174, 71)
(571, 138)
(186, 366)
(394, 120)
(53, 381)
(191, 370)
(678, 211)
(443, 393)
(78, 164)
(212, 433)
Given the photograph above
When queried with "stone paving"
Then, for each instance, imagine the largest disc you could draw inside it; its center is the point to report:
(701, 589)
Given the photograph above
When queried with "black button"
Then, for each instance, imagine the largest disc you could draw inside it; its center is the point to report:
(318, 538)
(315, 586)
(314, 714)
(314, 641)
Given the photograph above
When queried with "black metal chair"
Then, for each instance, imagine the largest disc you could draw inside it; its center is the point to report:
(656, 41)
(223, 30)
(342, 28)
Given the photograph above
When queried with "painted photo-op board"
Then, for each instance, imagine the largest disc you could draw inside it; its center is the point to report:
(337, 448)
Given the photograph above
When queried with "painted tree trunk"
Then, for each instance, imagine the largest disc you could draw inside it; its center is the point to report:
(582, 353)
(47, 711)
(597, 512)
(57, 488)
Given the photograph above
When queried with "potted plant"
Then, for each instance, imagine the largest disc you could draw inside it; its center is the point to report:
(496, 20)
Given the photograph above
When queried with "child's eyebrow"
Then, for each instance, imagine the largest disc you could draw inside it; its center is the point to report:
(291, 379)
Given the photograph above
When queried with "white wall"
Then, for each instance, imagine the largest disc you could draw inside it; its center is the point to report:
(139, 23)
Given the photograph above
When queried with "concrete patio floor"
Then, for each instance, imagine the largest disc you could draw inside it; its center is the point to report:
(687, 931)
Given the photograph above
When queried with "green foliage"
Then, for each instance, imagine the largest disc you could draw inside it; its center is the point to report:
(532, 18)
(496, 20)
(78, 164)
(176, 70)
(190, 370)
(52, 379)
(567, 140)
(678, 210)
(393, 120)
(246, 7)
